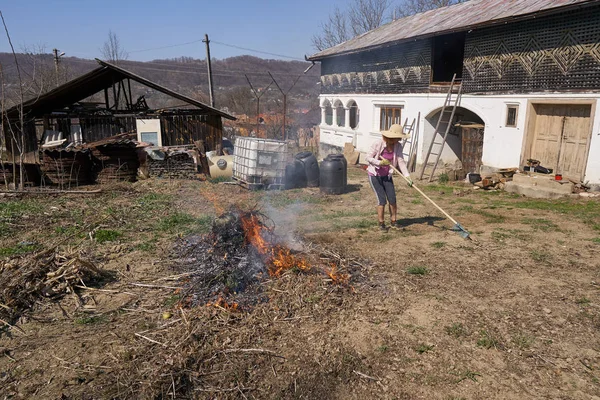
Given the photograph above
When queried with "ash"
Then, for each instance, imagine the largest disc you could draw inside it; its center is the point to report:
(221, 267)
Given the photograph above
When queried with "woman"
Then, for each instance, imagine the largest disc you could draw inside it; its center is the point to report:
(385, 153)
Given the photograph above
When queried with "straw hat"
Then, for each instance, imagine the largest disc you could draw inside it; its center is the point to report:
(396, 132)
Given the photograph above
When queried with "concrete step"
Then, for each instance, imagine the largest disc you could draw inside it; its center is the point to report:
(539, 186)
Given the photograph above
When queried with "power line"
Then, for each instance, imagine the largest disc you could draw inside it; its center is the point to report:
(257, 51)
(165, 47)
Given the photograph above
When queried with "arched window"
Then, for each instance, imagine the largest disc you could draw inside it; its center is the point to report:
(328, 113)
(354, 114)
(340, 114)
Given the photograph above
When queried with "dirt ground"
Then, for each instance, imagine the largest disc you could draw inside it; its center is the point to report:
(512, 314)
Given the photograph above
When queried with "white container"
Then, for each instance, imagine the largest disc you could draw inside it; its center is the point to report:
(260, 161)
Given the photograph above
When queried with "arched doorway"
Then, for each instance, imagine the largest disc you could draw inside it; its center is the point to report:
(464, 142)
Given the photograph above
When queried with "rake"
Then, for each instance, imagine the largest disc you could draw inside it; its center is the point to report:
(458, 228)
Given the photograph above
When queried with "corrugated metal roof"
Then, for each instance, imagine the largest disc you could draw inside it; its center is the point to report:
(459, 17)
(93, 82)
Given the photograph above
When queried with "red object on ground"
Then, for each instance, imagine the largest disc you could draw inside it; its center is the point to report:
(558, 177)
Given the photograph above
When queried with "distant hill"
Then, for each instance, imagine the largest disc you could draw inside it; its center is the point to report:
(185, 75)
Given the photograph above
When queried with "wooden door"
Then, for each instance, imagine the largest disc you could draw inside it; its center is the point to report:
(561, 136)
(574, 143)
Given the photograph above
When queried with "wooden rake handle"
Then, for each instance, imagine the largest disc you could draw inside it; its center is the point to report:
(423, 194)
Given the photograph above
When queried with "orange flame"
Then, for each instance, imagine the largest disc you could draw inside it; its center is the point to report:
(280, 259)
(336, 277)
(220, 303)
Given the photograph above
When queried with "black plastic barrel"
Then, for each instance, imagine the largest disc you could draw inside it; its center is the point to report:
(343, 160)
(332, 176)
(311, 167)
(295, 177)
(290, 177)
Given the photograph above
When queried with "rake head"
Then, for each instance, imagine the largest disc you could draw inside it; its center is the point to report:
(461, 231)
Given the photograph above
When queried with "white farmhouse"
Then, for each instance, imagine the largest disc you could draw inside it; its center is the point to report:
(530, 75)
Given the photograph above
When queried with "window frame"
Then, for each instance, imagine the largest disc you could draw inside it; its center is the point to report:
(516, 119)
(394, 119)
(354, 114)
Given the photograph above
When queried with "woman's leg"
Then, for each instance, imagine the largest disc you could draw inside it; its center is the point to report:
(377, 186)
(390, 193)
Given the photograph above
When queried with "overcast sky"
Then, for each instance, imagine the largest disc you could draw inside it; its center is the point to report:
(79, 28)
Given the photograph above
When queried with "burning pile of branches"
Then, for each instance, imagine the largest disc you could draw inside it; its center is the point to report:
(242, 249)
(49, 274)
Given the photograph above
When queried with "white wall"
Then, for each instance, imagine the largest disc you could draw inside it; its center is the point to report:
(501, 145)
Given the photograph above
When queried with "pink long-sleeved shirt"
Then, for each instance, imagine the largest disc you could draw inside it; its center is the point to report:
(374, 160)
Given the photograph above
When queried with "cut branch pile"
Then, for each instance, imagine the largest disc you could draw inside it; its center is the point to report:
(222, 268)
(49, 274)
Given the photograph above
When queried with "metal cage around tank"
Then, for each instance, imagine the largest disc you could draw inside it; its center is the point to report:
(260, 163)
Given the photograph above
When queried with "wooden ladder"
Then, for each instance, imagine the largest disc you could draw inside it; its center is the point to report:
(411, 141)
(443, 126)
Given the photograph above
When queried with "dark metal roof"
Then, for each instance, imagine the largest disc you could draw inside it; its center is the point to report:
(459, 17)
(93, 82)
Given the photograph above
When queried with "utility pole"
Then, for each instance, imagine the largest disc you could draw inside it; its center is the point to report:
(210, 78)
(284, 133)
(56, 60)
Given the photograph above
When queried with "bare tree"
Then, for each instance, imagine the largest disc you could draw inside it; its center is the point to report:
(18, 137)
(334, 31)
(410, 7)
(365, 15)
(112, 50)
(362, 16)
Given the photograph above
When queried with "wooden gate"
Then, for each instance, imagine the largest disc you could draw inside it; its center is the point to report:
(559, 137)
(472, 147)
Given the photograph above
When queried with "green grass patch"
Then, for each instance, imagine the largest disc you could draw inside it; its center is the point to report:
(583, 301)
(180, 222)
(596, 240)
(220, 179)
(154, 201)
(523, 341)
(468, 374)
(438, 188)
(148, 245)
(540, 256)
(541, 224)
(17, 250)
(443, 178)
(423, 348)
(417, 271)
(490, 217)
(383, 348)
(438, 245)
(107, 235)
(487, 340)
(90, 320)
(456, 330)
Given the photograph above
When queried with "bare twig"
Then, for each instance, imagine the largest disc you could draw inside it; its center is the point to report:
(155, 286)
(12, 326)
(366, 376)
(82, 365)
(219, 390)
(102, 290)
(150, 340)
(272, 353)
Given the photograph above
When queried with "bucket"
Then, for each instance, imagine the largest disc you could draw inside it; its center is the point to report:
(558, 177)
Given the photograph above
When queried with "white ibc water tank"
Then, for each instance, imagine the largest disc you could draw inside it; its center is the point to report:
(260, 161)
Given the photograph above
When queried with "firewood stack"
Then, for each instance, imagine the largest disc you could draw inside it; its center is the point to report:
(176, 165)
(66, 168)
(115, 161)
